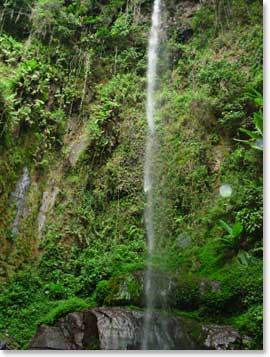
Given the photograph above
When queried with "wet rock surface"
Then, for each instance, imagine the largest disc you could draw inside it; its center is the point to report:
(122, 329)
(3, 345)
(19, 195)
(222, 338)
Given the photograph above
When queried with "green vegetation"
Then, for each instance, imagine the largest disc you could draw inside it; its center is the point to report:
(256, 136)
(63, 307)
(72, 110)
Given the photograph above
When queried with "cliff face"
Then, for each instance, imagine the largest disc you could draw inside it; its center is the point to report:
(72, 126)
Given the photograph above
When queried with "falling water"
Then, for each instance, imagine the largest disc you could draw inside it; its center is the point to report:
(150, 112)
(151, 339)
(20, 193)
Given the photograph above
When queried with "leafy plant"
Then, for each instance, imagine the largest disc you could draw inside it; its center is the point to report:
(256, 135)
(231, 239)
(243, 257)
(10, 49)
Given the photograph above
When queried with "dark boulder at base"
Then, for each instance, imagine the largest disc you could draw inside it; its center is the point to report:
(3, 345)
(122, 329)
(76, 331)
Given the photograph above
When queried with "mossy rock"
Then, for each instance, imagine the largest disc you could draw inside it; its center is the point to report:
(125, 290)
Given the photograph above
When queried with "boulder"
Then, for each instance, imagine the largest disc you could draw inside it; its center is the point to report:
(3, 345)
(123, 329)
(222, 338)
(76, 331)
(51, 338)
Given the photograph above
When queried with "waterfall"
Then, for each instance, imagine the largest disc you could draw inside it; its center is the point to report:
(20, 193)
(150, 112)
(152, 296)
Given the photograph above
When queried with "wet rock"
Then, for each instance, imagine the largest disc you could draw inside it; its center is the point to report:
(123, 329)
(222, 338)
(3, 345)
(117, 329)
(19, 195)
(77, 331)
(50, 338)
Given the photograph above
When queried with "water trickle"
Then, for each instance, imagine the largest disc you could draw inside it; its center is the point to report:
(20, 193)
(153, 299)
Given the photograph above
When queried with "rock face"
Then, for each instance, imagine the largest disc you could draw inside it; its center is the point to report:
(121, 329)
(77, 331)
(48, 201)
(222, 338)
(3, 345)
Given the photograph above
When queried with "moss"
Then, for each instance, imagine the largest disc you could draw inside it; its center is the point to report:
(63, 307)
(124, 290)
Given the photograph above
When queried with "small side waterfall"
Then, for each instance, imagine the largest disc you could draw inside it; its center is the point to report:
(20, 193)
(154, 295)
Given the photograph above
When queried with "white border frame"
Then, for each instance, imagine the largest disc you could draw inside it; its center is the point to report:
(266, 22)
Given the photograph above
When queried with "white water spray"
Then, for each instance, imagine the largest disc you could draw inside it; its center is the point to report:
(150, 112)
(152, 65)
(149, 169)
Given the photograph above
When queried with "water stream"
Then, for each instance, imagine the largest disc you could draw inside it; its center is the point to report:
(152, 291)
(19, 195)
